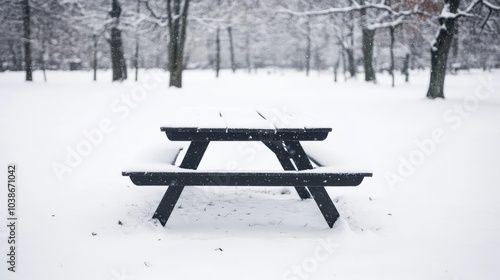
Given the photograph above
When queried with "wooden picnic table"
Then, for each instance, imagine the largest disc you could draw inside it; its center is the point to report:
(280, 131)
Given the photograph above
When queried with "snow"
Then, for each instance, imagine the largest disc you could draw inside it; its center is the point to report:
(166, 157)
(291, 120)
(429, 212)
(238, 118)
(155, 158)
(246, 118)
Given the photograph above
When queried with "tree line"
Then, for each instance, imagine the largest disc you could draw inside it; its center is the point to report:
(358, 37)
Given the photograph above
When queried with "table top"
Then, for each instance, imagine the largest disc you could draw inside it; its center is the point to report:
(236, 124)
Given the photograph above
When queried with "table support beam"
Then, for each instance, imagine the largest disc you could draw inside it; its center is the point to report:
(191, 160)
(319, 194)
(278, 148)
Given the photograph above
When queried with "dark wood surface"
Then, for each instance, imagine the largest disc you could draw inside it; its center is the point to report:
(278, 178)
(183, 134)
(281, 153)
(243, 125)
(319, 194)
(191, 160)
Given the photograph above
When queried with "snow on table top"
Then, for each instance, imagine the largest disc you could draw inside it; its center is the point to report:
(233, 119)
(291, 120)
(245, 119)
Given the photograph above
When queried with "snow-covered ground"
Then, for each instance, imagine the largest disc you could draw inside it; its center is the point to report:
(430, 211)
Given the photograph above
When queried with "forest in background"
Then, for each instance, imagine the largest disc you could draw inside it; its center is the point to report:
(346, 36)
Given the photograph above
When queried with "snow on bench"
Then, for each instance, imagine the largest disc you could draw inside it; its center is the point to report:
(159, 158)
(328, 162)
(156, 166)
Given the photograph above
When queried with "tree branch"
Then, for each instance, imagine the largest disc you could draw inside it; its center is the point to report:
(151, 10)
(356, 7)
(468, 10)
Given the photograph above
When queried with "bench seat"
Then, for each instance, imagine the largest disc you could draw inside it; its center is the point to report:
(186, 177)
(156, 166)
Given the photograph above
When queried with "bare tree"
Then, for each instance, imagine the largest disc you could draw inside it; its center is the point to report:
(247, 53)
(28, 63)
(231, 48)
(119, 65)
(176, 22)
(369, 24)
(136, 56)
(217, 52)
(367, 46)
(308, 45)
(217, 42)
(177, 13)
(441, 44)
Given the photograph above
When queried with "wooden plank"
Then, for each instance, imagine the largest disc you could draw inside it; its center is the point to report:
(180, 134)
(191, 160)
(242, 119)
(229, 124)
(278, 149)
(319, 194)
(325, 205)
(224, 178)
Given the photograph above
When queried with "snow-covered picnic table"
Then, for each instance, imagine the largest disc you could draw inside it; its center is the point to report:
(280, 131)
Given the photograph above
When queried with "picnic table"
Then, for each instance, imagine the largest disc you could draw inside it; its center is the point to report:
(281, 132)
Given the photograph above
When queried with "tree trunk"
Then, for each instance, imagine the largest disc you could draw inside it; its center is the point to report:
(368, 36)
(391, 30)
(336, 69)
(349, 47)
(344, 68)
(28, 64)
(43, 57)
(16, 64)
(454, 46)
(350, 62)
(308, 45)
(247, 42)
(177, 22)
(406, 65)
(136, 59)
(231, 48)
(440, 48)
(317, 60)
(217, 53)
(367, 46)
(94, 63)
(118, 62)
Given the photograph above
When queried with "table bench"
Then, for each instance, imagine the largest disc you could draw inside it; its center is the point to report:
(280, 133)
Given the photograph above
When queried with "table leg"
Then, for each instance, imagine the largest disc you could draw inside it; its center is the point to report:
(191, 160)
(319, 194)
(278, 149)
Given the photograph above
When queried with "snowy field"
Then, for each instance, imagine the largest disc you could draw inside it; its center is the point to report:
(430, 211)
